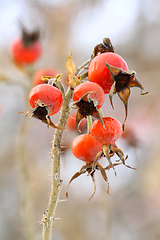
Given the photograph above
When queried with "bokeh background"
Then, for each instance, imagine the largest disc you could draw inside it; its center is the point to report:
(132, 210)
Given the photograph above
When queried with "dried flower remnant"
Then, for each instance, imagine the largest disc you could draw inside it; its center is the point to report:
(85, 148)
(41, 112)
(89, 168)
(106, 46)
(108, 136)
(88, 97)
(123, 81)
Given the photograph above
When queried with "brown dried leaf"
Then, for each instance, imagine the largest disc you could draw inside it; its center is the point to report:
(70, 66)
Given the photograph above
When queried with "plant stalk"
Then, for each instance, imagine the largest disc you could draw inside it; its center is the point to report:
(49, 215)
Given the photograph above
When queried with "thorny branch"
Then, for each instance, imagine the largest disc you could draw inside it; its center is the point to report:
(49, 215)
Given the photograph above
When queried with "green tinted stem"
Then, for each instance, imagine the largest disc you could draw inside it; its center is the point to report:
(89, 123)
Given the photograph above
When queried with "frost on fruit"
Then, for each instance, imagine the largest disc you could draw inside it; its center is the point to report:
(41, 112)
(70, 66)
(123, 81)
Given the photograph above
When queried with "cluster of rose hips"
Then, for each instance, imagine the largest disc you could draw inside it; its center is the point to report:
(107, 73)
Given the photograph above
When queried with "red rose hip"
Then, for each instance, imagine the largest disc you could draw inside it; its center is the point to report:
(109, 134)
(99, 73)
(47, 94)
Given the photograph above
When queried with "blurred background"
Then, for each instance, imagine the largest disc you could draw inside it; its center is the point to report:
(132, 210)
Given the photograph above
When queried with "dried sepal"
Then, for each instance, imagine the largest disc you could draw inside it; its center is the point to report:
(84, 169)
(94, 165)
(124, 95)
(121, 156)
(86, 107)
(111, 93)
(89, 168)
(122, 82)
(70, 66)
(106, 148)
(115, 164)
(52, 80)
(41, 112)
(76, 175)
(79, 118)
(109, 150)
(135, 83)
(106, 46)
(56, 82)
(104, 175)
(93, 179)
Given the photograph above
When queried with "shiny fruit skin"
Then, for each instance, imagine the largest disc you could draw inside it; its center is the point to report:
(85, 148)
(47, 94)
(109, 135)
(85, 87)
(71, 123)
(99, 73)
